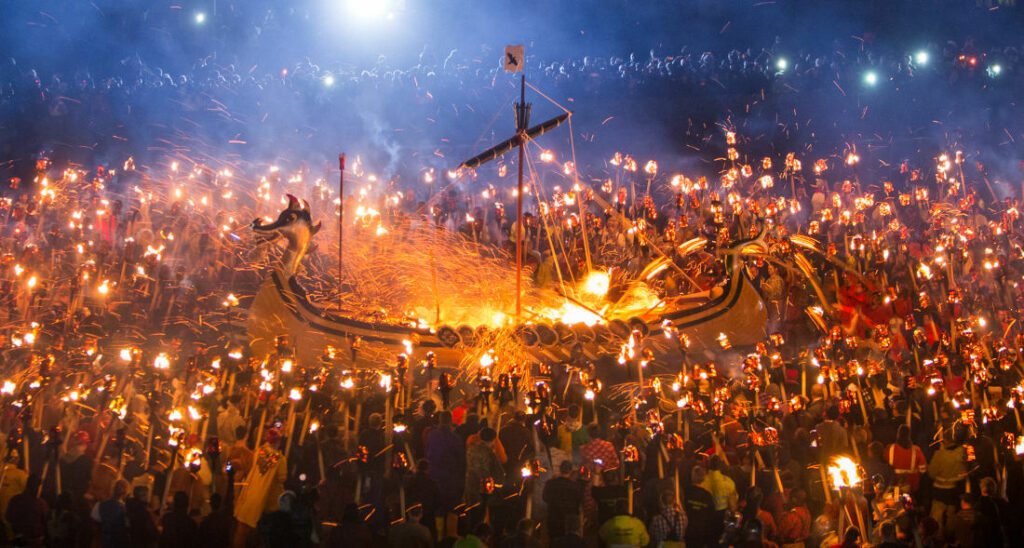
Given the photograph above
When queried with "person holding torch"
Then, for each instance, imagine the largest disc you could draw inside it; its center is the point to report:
(264, 485)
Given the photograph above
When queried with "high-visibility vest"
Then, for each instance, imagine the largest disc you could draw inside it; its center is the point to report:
(906, 472)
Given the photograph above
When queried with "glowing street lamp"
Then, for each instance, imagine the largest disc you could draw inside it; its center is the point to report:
(871, 78)
(200, 18)
(921, 58)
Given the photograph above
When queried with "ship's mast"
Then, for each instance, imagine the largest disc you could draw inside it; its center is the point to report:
(522, 123)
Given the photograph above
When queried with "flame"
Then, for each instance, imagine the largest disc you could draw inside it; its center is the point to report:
(597, 283)
(571, 314)
(161, 361)
(365, 213)
(723, 341)
(152, 251)
(628, 350)
(843, 473)
(194, 458)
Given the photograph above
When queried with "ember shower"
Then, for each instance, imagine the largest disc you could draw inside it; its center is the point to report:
(312, 270)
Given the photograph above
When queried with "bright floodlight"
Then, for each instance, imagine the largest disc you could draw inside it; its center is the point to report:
(921, 57)
(200, 18)
(369, 10)
(870, 78)
(329, 80)
(781, 64)
(995, 70)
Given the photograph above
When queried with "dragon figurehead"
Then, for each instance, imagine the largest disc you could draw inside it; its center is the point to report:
(295, 225)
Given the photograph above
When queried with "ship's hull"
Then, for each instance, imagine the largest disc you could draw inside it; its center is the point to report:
(282, 308)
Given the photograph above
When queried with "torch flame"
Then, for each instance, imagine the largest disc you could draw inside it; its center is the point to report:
(162, 361)
(843, 473)
(597, 283)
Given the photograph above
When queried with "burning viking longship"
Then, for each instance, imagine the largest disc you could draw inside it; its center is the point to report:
(733, 312)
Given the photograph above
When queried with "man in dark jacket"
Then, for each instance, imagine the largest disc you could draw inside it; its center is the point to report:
(215, 529)
(609, 496)
(517, 440)
(112, 517)
(468, 427)
(421, 490)
(700, 511)
(26, 513)
(372, 437)
(993, 513)
(284, 527)
(76, 467)
(563, 495)
(447, 456)
(410, 533)
(572, 537)
(141, 524)
(422, 426)
(179, 530)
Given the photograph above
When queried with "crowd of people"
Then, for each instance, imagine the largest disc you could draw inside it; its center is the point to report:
(137, 415)
(788, 96)
(881, 408)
